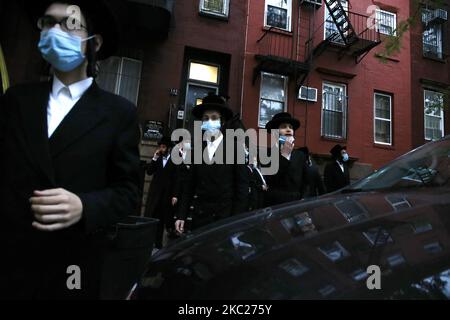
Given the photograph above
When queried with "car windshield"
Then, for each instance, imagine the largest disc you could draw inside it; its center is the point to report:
(427, 166)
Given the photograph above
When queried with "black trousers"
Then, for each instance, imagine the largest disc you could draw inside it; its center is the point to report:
(164, 212)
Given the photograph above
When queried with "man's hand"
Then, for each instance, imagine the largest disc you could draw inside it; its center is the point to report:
(157, 154)
(55, 209)
(179, 226)
(287, 148)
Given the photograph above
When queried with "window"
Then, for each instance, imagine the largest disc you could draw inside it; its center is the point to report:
(421, 226)
(294, 267)
(203, 72)
(351, 210)
(273, 97)
(278, 14)
(432, 41)
(383, 119)
(434, 115)
(398, 202)
(334, 111)
(378, 236)
(334, 251)
(396, 260)
(359, 275)
(330, 26)
(327, 290)
(386, 22)
(120, 76)
(433, 247)
(244, 249)
(215, 7)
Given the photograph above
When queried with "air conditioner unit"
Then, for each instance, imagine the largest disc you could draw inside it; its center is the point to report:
(306, 93)
(315, 3)
(437, 16)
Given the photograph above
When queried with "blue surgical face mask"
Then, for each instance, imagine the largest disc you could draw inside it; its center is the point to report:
(61, 49)
(211, 125)
(282, 140)
(187, 146)
(345, 157)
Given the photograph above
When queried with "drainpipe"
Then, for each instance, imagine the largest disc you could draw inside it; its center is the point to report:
(244, 64)
(3, 72)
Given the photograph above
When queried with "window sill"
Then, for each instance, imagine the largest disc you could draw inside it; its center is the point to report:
(278, 30)
(380, 56)
(325, 138)
(215, 16)
(441, 60)
(431, 140)
(383, 146)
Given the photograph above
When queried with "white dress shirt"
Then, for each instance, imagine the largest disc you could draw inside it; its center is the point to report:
(260, 175)
(212, 146)
(62, 100)
(164, 160)
(289, 155)
(341, 166)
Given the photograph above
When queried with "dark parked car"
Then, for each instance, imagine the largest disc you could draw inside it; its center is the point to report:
(398, 219)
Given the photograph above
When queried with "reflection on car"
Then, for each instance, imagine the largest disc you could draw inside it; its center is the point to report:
(398, 218)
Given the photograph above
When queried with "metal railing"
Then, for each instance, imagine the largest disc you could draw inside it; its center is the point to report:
(365, 28)
(432, 51)
(277, 43)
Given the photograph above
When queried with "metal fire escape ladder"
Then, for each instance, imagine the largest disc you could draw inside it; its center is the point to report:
(342, 22)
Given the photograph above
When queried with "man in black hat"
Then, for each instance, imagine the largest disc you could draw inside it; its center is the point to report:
(213, 189)
(287, 184)
(313, 186)
(162, 195)
(70, 161)
(337, 174)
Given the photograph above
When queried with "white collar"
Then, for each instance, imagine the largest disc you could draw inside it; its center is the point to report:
(340, 165)
(76, 89)
(216, 141)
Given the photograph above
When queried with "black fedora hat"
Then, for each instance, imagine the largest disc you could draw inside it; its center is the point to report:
(336, 150)
(305, 150)
(166, 141)
(213, 102)
(100, 15)
(280, 118)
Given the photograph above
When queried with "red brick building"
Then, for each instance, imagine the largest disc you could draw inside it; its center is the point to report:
(203, 52)
(269, 56)
(348, 81)
(430, 80)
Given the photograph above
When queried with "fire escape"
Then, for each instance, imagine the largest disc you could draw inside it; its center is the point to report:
(346, 32)
(280, 52)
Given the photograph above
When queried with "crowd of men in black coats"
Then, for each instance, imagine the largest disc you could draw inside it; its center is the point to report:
(70, 165)
(189, 196)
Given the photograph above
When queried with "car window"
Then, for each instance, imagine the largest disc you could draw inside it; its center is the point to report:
(436, 287)
(428, 166)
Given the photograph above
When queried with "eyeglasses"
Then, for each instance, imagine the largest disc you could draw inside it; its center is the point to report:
(68, 24)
